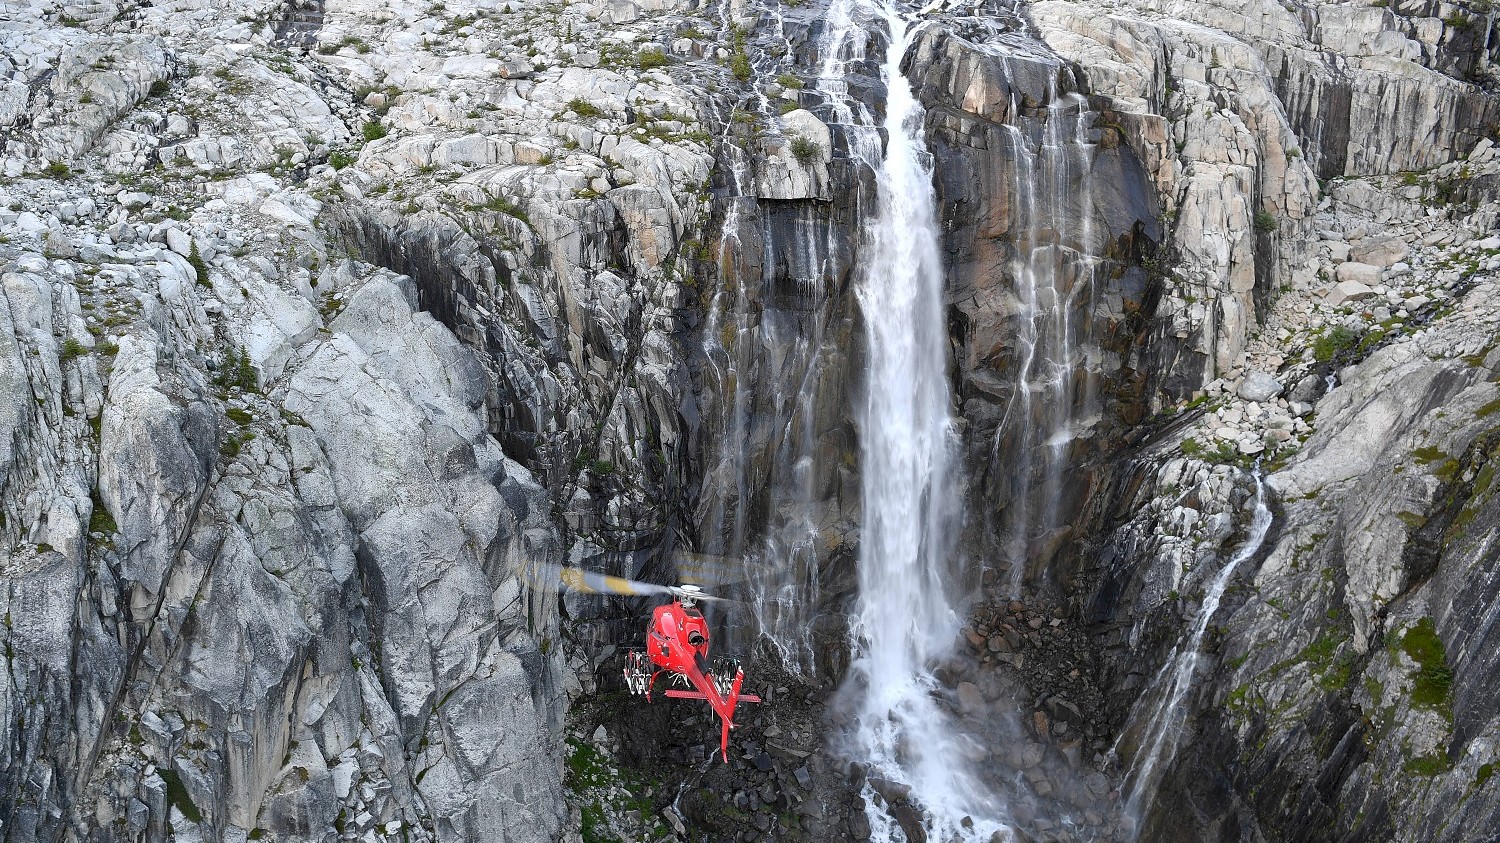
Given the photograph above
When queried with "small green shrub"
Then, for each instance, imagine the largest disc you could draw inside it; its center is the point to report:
(787, 80)
(233, 443)
(236, 371)
(339, 160)
(1265, 221)
(71, 349)
(1427, 454)
(178, 795)
(373, 131)
(159, 88)
(199, 267)
(1412, 520)
(1447, 471)
(584, 108)
(1434, 680)
(807, 152)
(603, 467)
(505, 206)
(1443, 191)
(739, 66)
(1427, 765)
(1225, 453)
(1332, 343)
(651, 58)
(100, 521)
(58, 170)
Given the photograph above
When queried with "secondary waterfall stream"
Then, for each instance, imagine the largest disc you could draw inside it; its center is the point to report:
(1162, 704)
(1053, 268)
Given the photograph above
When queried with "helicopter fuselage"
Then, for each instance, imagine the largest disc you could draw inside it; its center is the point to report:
(677, 643)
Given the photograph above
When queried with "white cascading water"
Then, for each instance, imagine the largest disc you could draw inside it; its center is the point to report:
(1054, 274)
(781, 593)
(740, 343)
(1163, 701)
(906, 621)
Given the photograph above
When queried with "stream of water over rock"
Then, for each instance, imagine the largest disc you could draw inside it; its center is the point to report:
(741, 344)
(1053, 268)
(906, 618)
(1160, 711)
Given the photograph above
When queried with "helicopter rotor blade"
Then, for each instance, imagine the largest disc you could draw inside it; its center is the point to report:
(594, 582)
(680, 592)
(692, 568)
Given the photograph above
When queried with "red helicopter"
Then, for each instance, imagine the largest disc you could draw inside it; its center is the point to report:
(677, 642)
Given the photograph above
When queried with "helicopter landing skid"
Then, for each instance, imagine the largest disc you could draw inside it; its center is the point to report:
(638, 673)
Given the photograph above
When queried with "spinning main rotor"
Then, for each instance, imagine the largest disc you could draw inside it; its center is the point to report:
(695, 571)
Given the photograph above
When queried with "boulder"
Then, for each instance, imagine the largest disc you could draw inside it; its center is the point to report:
(804, 123)
(1361, 272)
(1259, 387)
(616, 11)
(1348, 291)
(969, 697)
(1379, 252)
(179, 241)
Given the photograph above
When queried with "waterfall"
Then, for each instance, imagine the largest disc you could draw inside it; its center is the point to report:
(1164, 698)
(727, 325)
(1053, 272)
(906, 619)
(765, 350)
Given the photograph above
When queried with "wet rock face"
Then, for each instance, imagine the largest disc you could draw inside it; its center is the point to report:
(1049, 219)
(780, 366)
(1346, 650)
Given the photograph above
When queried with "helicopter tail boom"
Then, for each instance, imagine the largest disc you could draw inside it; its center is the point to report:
(695, 695)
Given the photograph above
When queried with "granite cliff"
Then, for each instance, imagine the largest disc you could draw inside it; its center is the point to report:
(329, 325)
